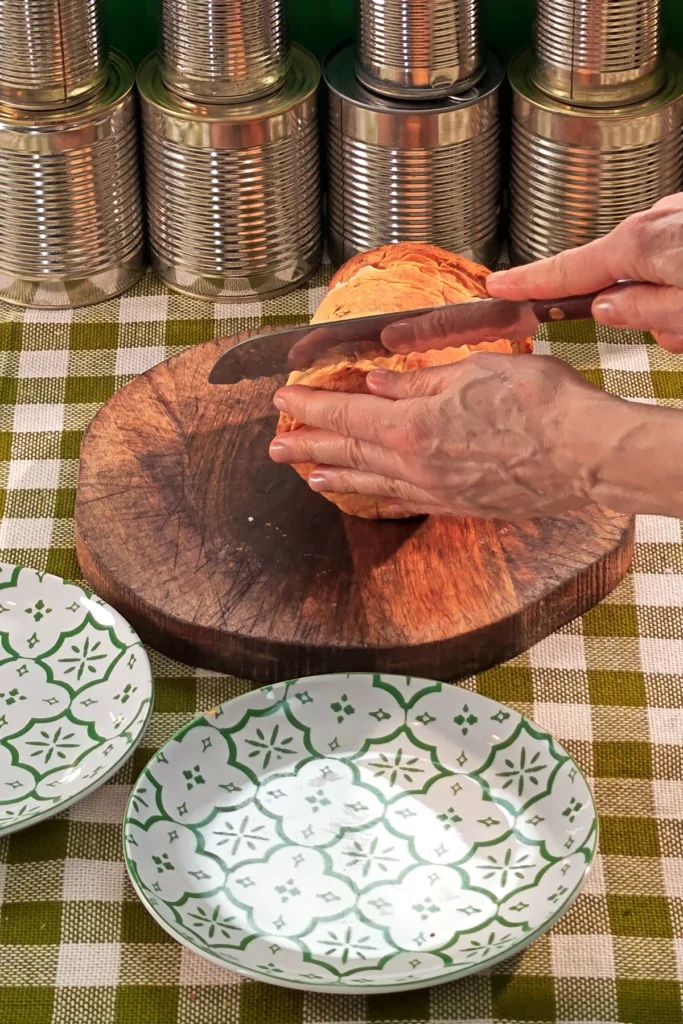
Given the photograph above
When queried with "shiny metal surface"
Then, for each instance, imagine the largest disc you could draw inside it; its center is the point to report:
(598, 52)
(71, 225)
(299, 348)
(412, 172)
(419, 48)
(577, 172)
(224, 50)
(233, 192)
(52, 52)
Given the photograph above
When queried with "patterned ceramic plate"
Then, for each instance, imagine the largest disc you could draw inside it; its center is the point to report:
(359, 833)
(75, 694)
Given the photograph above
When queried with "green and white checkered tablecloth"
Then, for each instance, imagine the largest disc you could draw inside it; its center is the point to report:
(76, 945)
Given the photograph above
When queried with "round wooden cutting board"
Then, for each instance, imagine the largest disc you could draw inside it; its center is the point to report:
(222, 559)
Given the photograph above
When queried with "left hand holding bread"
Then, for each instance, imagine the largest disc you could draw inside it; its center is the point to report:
(489, 436)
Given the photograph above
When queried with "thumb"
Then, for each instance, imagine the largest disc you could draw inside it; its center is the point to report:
(642, 307)
(671, 342)
(414, 384)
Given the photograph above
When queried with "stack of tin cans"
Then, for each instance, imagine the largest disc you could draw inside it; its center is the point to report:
(231, 151)
(71, 225)
(414, 131)
(597, 123)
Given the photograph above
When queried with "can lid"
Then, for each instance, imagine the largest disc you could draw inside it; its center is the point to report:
(302, 81)
(523, 84)
(339, 73)
(119, 82)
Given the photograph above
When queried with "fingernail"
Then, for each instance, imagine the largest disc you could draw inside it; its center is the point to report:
(277, 449)
(316, 481)
(400, 337)
(496, 275)
(377, 378)
(279, 401)
(604, 309)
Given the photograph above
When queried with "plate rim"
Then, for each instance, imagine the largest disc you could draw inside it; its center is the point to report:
(341, 988)
(62, 805)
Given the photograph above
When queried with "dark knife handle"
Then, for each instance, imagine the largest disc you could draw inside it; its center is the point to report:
(575, 307)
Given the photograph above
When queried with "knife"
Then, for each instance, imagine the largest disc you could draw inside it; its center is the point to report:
(298, 348)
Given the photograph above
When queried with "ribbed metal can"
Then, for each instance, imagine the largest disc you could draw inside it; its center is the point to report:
(52, 52)
(422, 49)
(71, 222)
(598, 53)
(224, 50)
(576, 173)
(233, 191)
(406, 171)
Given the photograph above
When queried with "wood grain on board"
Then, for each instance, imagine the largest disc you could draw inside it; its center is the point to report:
(223, 559)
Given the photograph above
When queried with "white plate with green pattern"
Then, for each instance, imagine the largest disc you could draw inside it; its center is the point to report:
(75, 694)
(359, 833)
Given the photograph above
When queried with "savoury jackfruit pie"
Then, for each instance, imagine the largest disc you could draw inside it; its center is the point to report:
(393, 278)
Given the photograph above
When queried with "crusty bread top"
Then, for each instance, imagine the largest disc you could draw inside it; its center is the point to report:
(405, 276)
(429, 257)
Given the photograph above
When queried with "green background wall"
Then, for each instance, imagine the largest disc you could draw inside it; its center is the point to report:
(320, 23)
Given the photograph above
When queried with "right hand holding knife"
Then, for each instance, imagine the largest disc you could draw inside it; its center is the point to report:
(645, 251)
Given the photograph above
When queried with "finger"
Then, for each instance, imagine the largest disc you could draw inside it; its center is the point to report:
(364, 417)
(580, 271)
(322, 446)
(350, 481)
(672, 203)
(414, 384)
(671, 342)
(434, 330)
(642, 307)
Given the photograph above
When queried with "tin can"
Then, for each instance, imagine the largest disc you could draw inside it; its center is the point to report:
(598, 53)
(407, 171)
(233, 191)
(578, 172)
(52, 52)
(71, 223)
(424, 49)
(216, 51)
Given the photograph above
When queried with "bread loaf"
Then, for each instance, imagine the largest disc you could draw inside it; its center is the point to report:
(393, 278)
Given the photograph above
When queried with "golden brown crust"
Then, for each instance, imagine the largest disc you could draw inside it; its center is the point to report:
(401, 277)
(428, 256)
(393, 278)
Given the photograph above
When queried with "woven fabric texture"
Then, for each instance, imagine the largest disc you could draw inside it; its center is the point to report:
(75, 943)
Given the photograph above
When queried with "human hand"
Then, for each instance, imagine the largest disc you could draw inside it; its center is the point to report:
(647, 248)
(494, 436)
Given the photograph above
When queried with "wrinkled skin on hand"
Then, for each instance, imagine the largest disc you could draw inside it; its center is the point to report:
(509, 437)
